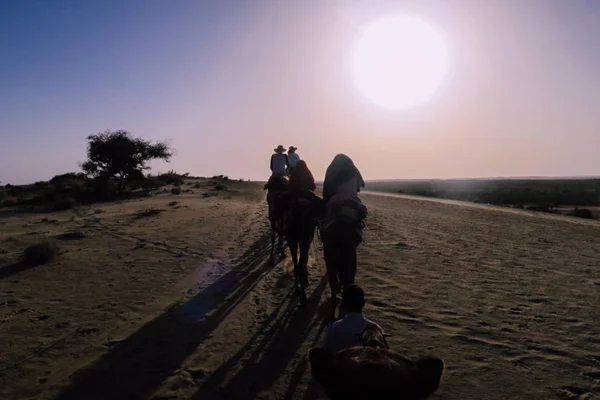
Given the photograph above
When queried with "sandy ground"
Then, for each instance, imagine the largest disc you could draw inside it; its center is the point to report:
(183, 305)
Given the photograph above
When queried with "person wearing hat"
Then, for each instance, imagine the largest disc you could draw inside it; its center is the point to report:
(279, 162)
(293, 158)
(345, 332)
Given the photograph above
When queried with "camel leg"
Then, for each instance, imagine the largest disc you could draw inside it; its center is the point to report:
(280, 246)
(303, 263)
(330, 251)
(272, 258)
(347, 264)
(293, 245)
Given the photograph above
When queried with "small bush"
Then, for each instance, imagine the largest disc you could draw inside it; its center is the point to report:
(149, 212)
(197, 185)
(220, 187)
(10, 202)
(171, 178)
(64, 203)
(583, 213)
(173, 203)
(176, 191)
(40, 253)
(152, 182)
(3, 194)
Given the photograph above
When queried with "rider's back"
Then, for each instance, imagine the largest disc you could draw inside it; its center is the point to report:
(279, 163)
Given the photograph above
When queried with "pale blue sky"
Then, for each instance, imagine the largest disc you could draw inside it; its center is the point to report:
(227, 81)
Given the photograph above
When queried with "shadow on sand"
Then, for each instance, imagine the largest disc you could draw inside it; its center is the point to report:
(10, 270)
(257, 366)
(135, 367)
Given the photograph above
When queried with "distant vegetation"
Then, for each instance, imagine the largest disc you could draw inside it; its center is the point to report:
(115, 168)
(547, 195)
(121, 157)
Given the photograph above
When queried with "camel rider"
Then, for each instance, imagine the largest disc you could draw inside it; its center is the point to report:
(346, 332)
(342, 179)
(279, 161)
(301, 191)
(301, 179)
(293, 158)
(343, 220)
(279, 164)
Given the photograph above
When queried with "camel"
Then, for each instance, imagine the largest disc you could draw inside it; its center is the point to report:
(277, 188)
(341, 231)
(372, 371)
(300, 223)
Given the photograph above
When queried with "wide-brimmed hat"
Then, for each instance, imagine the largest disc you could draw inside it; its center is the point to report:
(292, 148)
(279, 149)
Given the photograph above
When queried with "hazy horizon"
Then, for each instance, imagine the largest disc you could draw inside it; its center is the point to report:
(228, 81)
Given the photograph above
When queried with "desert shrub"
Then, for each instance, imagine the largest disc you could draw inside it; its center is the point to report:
(225, 178)
(197, 185)
(219, 186)
(173, 203)
(104, 189)
(10, 202)
(171, 178)
(3, 194)
(583, 213)
(64, 203)
(40, 253)
(176, 191)
(149, 212)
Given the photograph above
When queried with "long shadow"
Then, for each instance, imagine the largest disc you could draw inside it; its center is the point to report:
(13, 269)
(137, 366)
(312, 391)
(264, 358)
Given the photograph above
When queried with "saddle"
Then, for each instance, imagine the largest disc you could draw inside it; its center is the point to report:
(277, 182)
(351, 211)
(300, 205)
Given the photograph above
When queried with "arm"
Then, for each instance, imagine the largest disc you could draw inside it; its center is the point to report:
(329, 339)
(287, 161)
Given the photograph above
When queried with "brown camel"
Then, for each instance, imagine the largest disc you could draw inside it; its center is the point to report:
(277, 188)
(374, 372)
(302, 211)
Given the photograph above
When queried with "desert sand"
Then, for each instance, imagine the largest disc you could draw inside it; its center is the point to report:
(181, 303)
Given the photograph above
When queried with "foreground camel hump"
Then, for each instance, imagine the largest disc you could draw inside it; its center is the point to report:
(367, 372)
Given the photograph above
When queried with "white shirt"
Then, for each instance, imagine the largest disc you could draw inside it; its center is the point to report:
(279, 163)
(293, 159)
(345, 333)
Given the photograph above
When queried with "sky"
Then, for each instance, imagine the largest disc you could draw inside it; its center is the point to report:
(227, 81)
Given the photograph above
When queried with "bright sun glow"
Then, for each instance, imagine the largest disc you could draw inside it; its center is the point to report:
(399, 62)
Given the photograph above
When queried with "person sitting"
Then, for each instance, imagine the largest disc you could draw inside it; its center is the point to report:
(279, 161)
(279, 164)
(301, 178)
(347, 331)
(293, 158)
(342, 178)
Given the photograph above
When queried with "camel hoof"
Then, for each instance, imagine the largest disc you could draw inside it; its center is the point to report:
(302, 299)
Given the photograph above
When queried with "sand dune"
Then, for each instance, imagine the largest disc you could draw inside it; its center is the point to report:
(182, 304)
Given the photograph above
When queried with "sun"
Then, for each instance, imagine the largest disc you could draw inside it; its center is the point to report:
(399, 62)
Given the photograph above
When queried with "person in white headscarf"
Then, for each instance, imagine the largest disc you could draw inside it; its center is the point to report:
(342, 178)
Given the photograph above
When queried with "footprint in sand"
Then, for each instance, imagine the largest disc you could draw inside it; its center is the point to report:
(595, 376)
